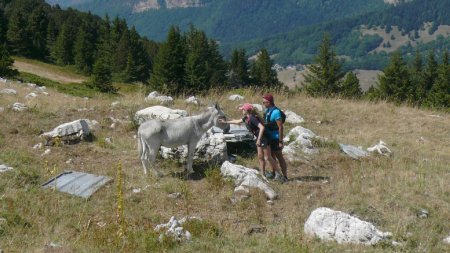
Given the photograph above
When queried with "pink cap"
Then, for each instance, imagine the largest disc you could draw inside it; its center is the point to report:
(246, 106)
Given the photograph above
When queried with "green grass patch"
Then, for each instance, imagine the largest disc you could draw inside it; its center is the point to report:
(74, 89)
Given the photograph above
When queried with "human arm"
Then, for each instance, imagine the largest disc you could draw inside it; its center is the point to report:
(233, 121)
(280, 133)
(261, 133)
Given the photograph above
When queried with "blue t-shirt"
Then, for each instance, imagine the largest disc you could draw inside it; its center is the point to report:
(274, 116)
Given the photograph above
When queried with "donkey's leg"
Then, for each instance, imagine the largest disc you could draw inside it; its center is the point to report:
(191, 150)
(143, 152)
(152, 153)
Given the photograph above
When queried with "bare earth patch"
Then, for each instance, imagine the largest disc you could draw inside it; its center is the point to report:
(47, 73)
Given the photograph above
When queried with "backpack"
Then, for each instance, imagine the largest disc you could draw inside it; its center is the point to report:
(272, 125)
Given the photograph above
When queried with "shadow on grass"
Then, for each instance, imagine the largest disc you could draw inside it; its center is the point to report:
(310, 178)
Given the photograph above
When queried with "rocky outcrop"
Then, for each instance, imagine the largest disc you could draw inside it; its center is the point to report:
(74, 131)
(331, 225)
(158, 112)
(245, 178)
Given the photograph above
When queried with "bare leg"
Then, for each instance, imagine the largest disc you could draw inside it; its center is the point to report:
(273, 163)
(262, 161)
(283, 165)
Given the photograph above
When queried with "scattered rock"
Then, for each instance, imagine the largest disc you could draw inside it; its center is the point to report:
(174, 195)
(115, 103)
(174, 229)
(235, 97)
(8, 91)
(70, 161)
(108, 140)
(192, 100)
(74, 131)
(38, 146)
(4, 168)
(331, 225)
(247, 178)
(19, 107)
(163, 100)
(31, 85)
(423, 214)
(258, 107)
(158, 112)
(241, 193)
(299, 139)
(256, 229)
(446, 240)
(31, 95)
(2, 109)
(381, 148)
(137, 190)
(293, 118)
(46, 152)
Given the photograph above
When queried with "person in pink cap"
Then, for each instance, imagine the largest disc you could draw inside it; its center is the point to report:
(255, 125)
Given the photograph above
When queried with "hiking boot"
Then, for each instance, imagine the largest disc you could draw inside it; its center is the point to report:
(279, 178)
(269, 175)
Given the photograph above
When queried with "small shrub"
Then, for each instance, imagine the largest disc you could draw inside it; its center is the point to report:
(202, 228)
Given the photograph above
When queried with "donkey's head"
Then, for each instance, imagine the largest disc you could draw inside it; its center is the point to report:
(218, 114)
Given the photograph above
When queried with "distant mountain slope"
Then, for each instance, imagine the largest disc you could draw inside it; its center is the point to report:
(227, 20)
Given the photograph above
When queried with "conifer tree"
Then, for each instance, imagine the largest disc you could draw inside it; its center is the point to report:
(195, 66)
(439, 94)
(37, 28)
(121, 53)
(394, 84)
(350, 86)
(429, 75)
(101, 76)
(83, 51)
(168, 67)
(139, 65)
(239, 69)
(261, 72)
(62, 49)
(6, 62)
(416, 79)
(324, 76)
(216, 67)
(17, 35)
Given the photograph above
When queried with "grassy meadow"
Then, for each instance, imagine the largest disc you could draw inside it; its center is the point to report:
(387, 191)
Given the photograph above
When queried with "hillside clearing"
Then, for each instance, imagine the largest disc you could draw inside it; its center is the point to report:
(387, 191)
(54, 73)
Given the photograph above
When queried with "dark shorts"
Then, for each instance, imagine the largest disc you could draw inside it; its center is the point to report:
(264, 142)
(274, 145)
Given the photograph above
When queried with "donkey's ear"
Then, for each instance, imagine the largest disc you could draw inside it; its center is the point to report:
(217, 106)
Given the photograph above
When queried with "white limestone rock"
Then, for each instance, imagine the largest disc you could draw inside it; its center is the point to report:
(258, 107)
(31, 95)
(211, 148)
(381, 148)
(293, 118)
(19, 107)
(8, 92)
(158, 112)
(353, 151)
(4, 168)
(174, 229)
(75, 130)
(299, 139)
(192, 100)
(235, 97)
(447, 240)
(331, 225)
(247, 178)
(163, 100)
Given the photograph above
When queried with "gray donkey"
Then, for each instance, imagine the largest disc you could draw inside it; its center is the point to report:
(155, 133)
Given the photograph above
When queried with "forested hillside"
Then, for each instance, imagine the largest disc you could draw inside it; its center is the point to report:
(291, 30)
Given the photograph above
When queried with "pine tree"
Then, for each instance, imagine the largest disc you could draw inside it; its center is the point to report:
(350, 86)
(6, 62)
(238, 75)
(17, 35)
(196, 77)
(429, 76)
(216, 67)
(416, 79)
(394, 84)
(101, 76)
(138, 67)
(168, 67)
(120, 55)
(261, 72)
(323, 77)
(37, 28)
(62, 49)
(83, 51)
(439, 94)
